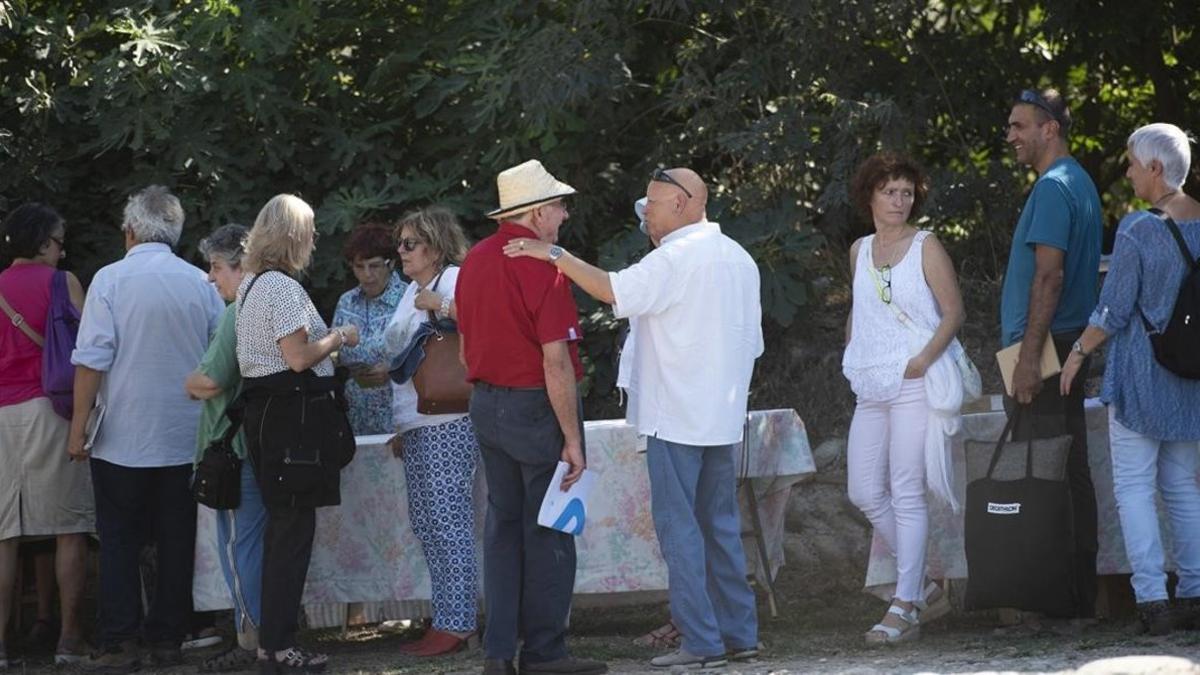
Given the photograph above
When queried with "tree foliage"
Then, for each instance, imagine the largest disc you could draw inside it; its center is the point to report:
(367, 108)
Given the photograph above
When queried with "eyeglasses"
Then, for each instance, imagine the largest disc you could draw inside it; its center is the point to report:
(1035, 99)
(57, 240)
(883, 283)
(661, 176)
(409, 245)
(373, 266)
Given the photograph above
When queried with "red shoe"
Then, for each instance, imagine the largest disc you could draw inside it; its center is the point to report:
(418, 644)
(440, 643)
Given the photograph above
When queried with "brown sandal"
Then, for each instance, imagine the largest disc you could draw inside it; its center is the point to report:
(664, 637)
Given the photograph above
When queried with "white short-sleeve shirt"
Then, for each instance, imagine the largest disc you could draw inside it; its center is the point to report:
(699, 331)
(276, 307)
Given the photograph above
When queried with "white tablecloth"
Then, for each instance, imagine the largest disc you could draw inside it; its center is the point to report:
(366, 552)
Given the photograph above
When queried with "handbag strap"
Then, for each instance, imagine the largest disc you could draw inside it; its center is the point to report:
(1010, 431)
(20, 323)
(1188, 261)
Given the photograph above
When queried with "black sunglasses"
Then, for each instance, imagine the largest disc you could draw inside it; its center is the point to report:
(1035, 99)
(660, 175)
(409, 245)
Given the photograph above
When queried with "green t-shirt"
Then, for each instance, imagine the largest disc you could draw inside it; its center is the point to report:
(221, 366)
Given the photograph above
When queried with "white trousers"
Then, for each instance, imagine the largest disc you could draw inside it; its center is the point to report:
(885, 459)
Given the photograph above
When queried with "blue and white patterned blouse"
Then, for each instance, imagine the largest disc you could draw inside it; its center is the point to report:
(1145, 272)
(370, 409)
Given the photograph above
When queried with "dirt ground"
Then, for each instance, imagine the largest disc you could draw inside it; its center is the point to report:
(811, 635)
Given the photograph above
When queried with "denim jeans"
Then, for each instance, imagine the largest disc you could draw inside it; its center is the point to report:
(131, 504)
(528, 570)
(693, 497)
(240, 548)
(1141, 466)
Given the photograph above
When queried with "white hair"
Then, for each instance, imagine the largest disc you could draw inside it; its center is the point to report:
(1169, 145)
(154, 215)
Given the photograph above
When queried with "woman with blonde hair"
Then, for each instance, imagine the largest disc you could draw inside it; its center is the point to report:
(297, 435)
(440, 451)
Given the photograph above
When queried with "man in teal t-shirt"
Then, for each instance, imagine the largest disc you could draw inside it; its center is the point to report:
(1050, 290)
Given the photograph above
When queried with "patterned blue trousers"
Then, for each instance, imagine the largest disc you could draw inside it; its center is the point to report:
(439, 465)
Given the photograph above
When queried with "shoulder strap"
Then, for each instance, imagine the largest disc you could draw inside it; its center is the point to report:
(254, 281)
(19, 322)
(1193, 264)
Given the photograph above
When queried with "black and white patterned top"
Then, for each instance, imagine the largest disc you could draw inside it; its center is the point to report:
(277, 307)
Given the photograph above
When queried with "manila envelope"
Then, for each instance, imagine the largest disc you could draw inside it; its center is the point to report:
(1007, 360)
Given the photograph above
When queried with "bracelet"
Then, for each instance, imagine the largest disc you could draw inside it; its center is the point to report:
(444, 309)
(341, 337)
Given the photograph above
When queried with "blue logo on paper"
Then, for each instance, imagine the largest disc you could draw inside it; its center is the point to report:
(573, 511)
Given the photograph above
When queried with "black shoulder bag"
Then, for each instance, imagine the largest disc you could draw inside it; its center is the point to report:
(217, 482)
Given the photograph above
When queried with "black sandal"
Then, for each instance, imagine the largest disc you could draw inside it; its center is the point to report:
(234, 658)
(295, 660)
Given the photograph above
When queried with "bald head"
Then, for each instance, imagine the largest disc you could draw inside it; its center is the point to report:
(668, 204)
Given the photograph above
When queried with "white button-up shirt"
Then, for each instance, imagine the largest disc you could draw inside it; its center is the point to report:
(697, 329)
(146, 324)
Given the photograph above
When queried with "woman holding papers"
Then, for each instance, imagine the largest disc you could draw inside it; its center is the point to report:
(1153, 425)
(906, 310)
(440, 451)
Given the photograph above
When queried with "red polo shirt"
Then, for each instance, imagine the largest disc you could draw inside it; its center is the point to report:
(508, 308)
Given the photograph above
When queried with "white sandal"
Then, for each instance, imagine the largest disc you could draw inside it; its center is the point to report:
(881, 634)
(936, 603)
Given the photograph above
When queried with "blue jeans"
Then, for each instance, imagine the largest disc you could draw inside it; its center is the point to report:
(1140, 466)
(694, 503)
(528, 570)
(240, 548)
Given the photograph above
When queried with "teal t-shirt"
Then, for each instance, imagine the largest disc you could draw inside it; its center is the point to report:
(1063, 211)
(221, 366)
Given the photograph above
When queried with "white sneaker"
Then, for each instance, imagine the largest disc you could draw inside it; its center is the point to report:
(683, 658)
(204, 638)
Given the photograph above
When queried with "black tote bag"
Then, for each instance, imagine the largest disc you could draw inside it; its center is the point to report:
(1020, 539)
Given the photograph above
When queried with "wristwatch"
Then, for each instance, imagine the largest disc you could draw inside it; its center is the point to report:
(555, 253)
(1078, 348)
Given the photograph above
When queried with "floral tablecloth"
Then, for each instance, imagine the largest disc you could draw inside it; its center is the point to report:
(366, 552)
(946, 557)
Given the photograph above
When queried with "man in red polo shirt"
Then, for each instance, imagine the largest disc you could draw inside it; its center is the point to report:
(520, 333)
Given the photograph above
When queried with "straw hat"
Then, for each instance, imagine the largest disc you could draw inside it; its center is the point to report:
(526, 186)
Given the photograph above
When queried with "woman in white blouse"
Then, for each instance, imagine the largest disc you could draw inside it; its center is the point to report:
(282, 343)
(440, 451)
(907, 309)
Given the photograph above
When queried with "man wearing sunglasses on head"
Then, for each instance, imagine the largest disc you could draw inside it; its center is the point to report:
(695, 298)
(1050, 289)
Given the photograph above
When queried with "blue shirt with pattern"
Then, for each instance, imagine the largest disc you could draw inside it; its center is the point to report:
(1144, 278)
(371, 408)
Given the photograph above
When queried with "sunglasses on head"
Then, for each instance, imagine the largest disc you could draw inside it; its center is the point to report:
(409, 245)
(1035, 99)
(661, 176)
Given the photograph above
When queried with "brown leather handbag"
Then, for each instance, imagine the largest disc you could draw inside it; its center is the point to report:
(441, 379)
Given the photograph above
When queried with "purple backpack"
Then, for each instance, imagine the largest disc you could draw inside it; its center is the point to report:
(62, 325)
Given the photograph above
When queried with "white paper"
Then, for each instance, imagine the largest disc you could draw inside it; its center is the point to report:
(566, 511)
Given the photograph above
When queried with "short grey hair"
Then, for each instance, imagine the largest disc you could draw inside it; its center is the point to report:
(1169, 145)
(154, 215)
(227, 243)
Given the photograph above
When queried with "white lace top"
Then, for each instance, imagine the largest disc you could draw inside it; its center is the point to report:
(880, 346)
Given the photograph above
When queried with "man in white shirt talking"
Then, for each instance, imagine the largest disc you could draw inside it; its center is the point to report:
(693, 303)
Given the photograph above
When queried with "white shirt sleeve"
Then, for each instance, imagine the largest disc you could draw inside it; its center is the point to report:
(650, 286)
(96, 342)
